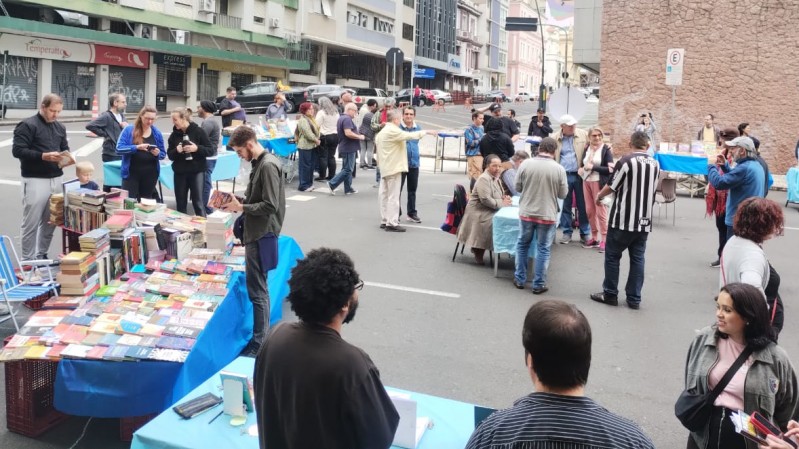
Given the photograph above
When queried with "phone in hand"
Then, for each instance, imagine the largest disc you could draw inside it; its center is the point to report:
(151, 147)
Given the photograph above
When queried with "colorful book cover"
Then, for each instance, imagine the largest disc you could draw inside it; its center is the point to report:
(129, 340)
(184, 344)
(103, 327)
(152, 330)
(181, 331)
(75, 334)
(19, 341)
(169, 355)
(97, 352)
(139, 352)
(148, 341)
(34, 331)
(37, 352)
(116, 353)
(128, 327)
(55, 351)
(92, 339)
(75, 351)
(109, 339)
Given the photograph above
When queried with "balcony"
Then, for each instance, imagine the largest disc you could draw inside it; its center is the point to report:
(226, 21)
(468, 36)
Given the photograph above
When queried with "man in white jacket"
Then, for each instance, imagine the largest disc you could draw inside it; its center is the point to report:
(392, 159)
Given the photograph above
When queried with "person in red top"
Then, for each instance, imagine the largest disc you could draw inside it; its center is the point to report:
(716, 200)
(417, 94)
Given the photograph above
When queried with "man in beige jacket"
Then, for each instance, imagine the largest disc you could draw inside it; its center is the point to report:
(569, 154)
(392, 160)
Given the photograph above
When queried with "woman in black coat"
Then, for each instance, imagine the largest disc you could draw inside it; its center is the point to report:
(188, 147)
(497, 142)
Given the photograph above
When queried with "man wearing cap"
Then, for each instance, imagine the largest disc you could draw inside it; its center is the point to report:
(744, 181)
(540, 125)
(571, 149)
(211, 127)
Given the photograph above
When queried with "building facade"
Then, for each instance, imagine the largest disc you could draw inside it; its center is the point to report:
(436, 44)
(349, 41)
(524, 54)
(494, 60)
(469, 46)
(168, 54)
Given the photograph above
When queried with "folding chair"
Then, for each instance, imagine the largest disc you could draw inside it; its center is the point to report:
(667, 195)
(14, 289)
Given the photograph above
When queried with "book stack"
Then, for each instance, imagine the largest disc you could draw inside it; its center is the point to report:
(57, 209)
(115, 200)
(219, 230)
(118, 222)
(78, 275)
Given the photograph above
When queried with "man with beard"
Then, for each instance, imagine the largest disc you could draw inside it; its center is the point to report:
(312, 388)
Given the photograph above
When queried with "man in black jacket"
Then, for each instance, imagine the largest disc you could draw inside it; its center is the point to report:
(540, 125)
(109, 125)
(38, 144)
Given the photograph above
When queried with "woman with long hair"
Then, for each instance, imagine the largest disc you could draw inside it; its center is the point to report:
(308, 141)
(327, 118)
(765, 383)
(596, 169)
(141, 146)
(188, 147)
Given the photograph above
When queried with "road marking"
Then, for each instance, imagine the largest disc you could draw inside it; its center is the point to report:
(429, 228)
(89, 148)
(10, 182)
(442, 195)
(412, 289)
(791, 229)
(300, 198)
(6, 143)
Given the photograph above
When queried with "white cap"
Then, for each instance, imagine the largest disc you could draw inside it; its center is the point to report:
(568, 120)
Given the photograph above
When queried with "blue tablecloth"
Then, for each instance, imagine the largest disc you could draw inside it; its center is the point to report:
(118, 389)
(792, 178)
(506, 230)
(227, 167)
(281, 146)
(681, 163)
(453, 422)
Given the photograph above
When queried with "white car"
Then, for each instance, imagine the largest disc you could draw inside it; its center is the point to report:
(522, 96)
(441, 95)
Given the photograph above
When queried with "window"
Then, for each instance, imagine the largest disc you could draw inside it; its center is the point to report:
(258, 20)
(171, 81)
(407, 32)
(322, 7)
(408, 3)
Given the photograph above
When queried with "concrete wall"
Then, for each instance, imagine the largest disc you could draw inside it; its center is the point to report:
(740, 65)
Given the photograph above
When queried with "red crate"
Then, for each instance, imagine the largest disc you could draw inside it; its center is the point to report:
(127, 426)
(29, 397)
(37, 302)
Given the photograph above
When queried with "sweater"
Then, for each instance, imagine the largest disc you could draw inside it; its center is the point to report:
(541, 182)
(744, 261)
(33, 137)
(744, 181)
(198, 137)
(392, 156)
(126, 148)
(107, 127)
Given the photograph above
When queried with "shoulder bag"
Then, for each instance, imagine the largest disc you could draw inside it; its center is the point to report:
(694, 409)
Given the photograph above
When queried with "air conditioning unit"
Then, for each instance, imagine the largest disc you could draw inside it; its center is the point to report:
(292, 38)
(144, 31)
(208, 6)
(181, 37)
(274, 22)
(464, 34)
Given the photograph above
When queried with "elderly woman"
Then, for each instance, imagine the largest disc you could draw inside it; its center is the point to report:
(327, 118)
(743, 258)
(188, 146)
(765, 383)
(596, 168)
(308, 141)
(487, 197)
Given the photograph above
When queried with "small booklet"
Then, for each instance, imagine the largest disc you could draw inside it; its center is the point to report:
(66, 159)
(744, 426)
(219, 199)
(197, 406)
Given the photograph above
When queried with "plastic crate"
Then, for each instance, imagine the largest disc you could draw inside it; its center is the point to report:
(127, 426)
(37, 302)
(29, 397)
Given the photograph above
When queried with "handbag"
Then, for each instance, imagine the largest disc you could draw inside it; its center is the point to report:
(694, 409)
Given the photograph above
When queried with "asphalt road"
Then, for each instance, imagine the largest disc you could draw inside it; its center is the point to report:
(452, 329)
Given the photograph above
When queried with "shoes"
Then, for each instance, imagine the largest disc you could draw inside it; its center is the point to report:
(367, 167)
(414, 218)
(375, 185)
(591, 244)
(397, 228)
(602, 247)
(539, 290)
(584, 239)
(351, 192)
(633, 305)
(518, 284)
(609, 300)
(715, 264)
(309, 189)
(566, 239)
(332, 190)
(382, 226)
(371, 167)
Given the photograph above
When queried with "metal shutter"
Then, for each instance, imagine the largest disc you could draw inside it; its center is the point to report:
(72, 80)
(20, 90)
(239, 80)
(210, 89)
(130, 82)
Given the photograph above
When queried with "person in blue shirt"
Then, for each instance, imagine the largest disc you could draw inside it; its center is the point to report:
(412, 176)
(474, 160)
(84, 170)
(744, 181)
(141, 146)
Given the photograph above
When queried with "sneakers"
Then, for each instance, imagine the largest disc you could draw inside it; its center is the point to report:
(309, 189)
(633, 305)
(414, 218)
(518, 284)
(566, 239)
(602, 247)
(591, 244)
(351, 192)
(375, 185)
(539, 290)
(601, 297)
(397, 228)
(382, 226)
(584, 239)
(332, 190)
(715, 264)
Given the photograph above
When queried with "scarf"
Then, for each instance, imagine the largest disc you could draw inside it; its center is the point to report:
(715, 200)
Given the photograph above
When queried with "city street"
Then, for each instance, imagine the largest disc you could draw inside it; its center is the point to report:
(452, 329)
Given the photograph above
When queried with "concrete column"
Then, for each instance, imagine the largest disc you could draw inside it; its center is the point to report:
(192, 81)
(225, 79)
(150, 83)
(323, 64)
(45, 78)
(101, 86)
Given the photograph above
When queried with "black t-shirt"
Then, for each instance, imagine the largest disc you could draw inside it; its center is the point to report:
(315, 390)
(144, 160)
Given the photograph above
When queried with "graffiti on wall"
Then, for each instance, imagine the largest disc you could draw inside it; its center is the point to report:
(19, 86)
(116, 84)
(73, 85)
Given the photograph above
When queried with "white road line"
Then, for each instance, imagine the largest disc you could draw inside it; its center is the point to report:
(442, 195)
(791, 229)
(429, 228)
(300, 198)
(89, 148)
(10, 182)
(413, 290)
(6, 143)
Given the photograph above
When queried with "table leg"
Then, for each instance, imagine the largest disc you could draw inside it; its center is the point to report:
(496, 264)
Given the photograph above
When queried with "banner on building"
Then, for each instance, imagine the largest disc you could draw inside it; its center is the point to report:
(121, 57)
(424, 73)
(172, 61)
(57, 50)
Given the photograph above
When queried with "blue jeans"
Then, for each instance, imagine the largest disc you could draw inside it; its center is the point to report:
(307, 158)
(635, 244)
(345, 175)
(544, 234)
(209, 169)
(575, 188)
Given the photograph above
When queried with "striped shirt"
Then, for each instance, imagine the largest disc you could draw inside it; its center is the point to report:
(553, 421)
(634, 184)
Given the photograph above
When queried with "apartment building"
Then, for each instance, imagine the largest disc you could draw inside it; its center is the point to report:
(436, 57)
(524, 54)
(468, 46)
(493, 64)
(166, 53)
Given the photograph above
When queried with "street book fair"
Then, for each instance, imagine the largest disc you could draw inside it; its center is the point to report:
(148, 304)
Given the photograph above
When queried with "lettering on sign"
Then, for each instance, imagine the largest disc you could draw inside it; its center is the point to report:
(36, 46)
(383, 26)
(374, 23)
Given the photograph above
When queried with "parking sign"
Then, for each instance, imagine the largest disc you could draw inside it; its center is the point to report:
(674, 62)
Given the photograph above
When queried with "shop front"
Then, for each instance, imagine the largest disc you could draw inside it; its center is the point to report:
(19, 89)
(171, 84)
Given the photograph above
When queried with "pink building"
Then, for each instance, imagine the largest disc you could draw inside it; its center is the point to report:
(524, 54)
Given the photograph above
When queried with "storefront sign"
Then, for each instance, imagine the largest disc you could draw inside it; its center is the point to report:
(35, 47)
(424, 73)
(121, 57)
(453, 63)
(370, 21)
(234, 67)
(172, 61)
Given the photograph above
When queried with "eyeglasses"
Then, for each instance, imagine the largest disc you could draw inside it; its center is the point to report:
(359, 285)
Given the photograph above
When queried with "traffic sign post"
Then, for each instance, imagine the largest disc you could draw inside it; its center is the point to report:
(675, 57)
(394, 55)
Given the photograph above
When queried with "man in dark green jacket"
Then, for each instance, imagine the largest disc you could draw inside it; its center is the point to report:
(263, 208)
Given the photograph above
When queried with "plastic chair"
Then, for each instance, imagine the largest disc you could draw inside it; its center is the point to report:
(667, 195)
(15, 290)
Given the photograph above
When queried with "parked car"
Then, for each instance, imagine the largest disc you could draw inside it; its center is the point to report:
(523, 96)
(331, 91)
(442, 95)
(256, 97)
(490, 96)
(363, 95)
(406, 95)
